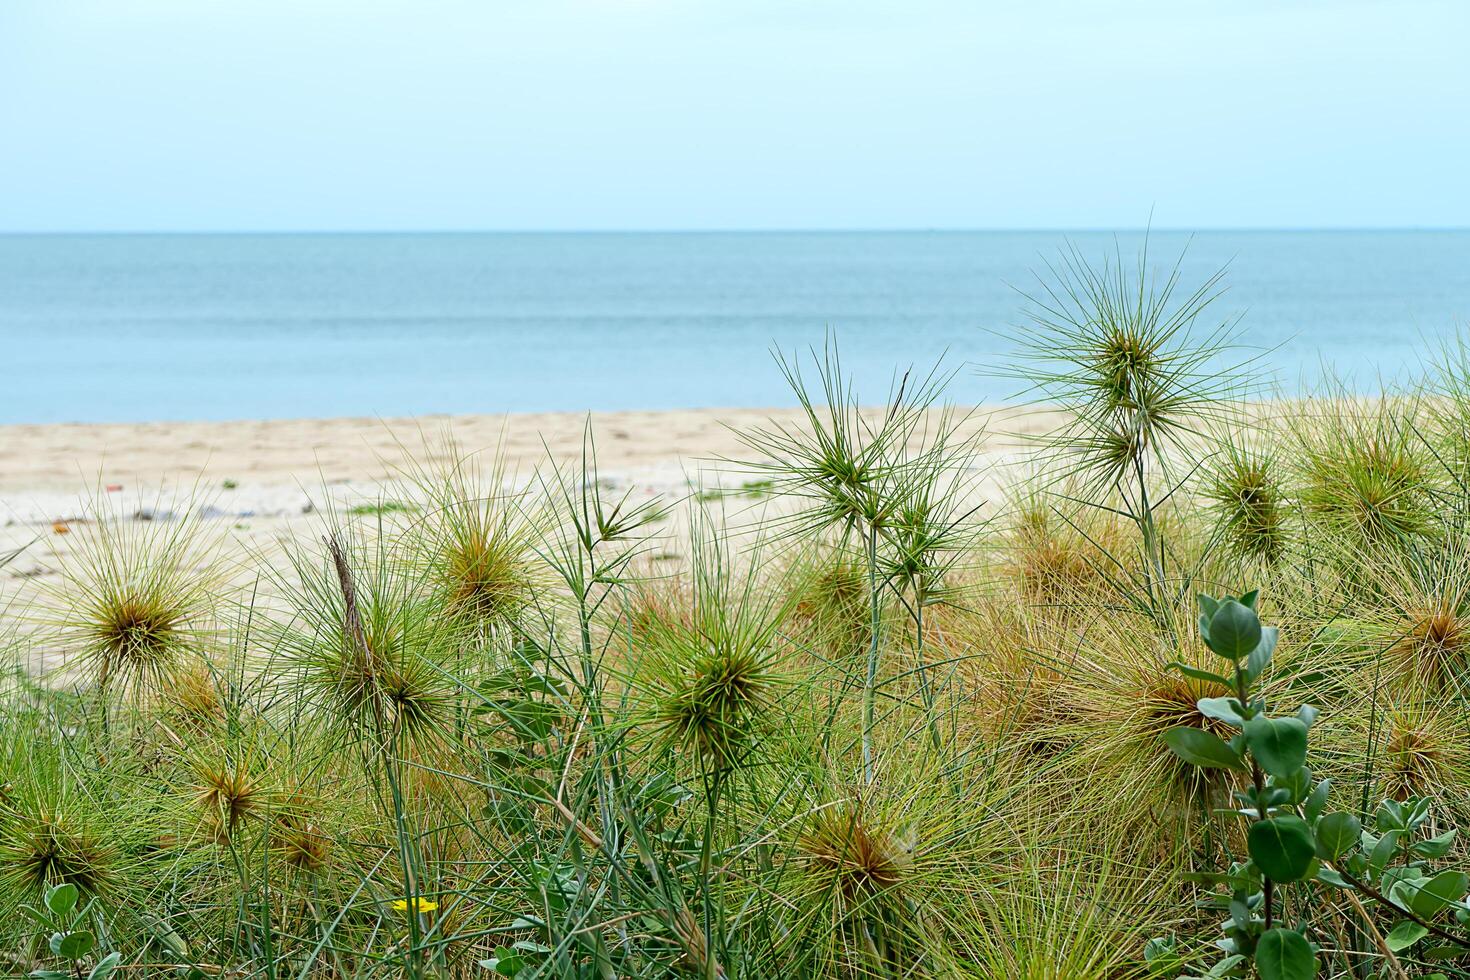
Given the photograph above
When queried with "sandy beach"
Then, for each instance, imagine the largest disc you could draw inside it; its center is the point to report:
(264, 480)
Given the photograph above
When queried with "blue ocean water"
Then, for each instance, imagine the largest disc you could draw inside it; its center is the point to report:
(143, 327)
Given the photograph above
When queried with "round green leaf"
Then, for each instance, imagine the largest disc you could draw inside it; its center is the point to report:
(61, 899)
(105, 966)
(1279, 744)
(1234, 630)
(1429, 898)
(1221, 709)
(1283, 954)
(1201, 748)
(1282, 848)
(505, 963)
(1317, 799)
(1255, 664)
(1405, 934)
(1337, 833)
(75, 945)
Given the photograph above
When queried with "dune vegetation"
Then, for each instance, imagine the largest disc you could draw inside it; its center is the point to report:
(1187, 700)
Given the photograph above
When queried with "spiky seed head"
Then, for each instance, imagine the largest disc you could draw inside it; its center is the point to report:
(1247, 496)
(486, 571)
(193, 700)
(1426, 748)
(135, 638)
(859, 855)
(933, 531)
(297, 838)
(1046, 566)
(1421, 617)
(831, 597)
(476, 539)
(228, 794)
(886, 858)
(1437, 647)
(1368, 477)
(51, 848)
(1172, 701)
(1141, 699)
(1120, 350)
(1058, 558)
(378, 665)
(417, 700)
(850, 464)
(136, 600)
(714, 706)
(1126, 363)
(1413, 763)
(1382, 491)
(392, 690)
(303, 847)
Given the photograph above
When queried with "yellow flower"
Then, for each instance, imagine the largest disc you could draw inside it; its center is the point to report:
(419, 905)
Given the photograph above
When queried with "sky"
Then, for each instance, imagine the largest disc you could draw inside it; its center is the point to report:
(237, 115)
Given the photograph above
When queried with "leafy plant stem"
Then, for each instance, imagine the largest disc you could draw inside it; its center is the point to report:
(1242, 690)
(1396, 908)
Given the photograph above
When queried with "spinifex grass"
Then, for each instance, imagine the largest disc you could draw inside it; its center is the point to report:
(829, 598)
(1368, 477)
(859, 733)
(475, 535)
(1421, 623)
(1057, 551)
(874, 877)
(136, 602)
(365, 646)
(1447, 420)
(1080, 918)
(882, 481)
(712, 679)
(1122, 350)
(52, 843)
(1245, 487)
(1424, 751)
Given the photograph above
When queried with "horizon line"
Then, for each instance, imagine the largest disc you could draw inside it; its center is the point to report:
(855, 230)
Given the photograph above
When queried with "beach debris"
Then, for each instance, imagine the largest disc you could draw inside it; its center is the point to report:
(114, 488)
(60, 527)
(211, 512)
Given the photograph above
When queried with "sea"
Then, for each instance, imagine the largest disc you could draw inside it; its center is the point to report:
(117, 327)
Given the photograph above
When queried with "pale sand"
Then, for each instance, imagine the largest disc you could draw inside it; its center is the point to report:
(282, 471)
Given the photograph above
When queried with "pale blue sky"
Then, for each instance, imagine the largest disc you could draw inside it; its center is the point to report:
(598, 114)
